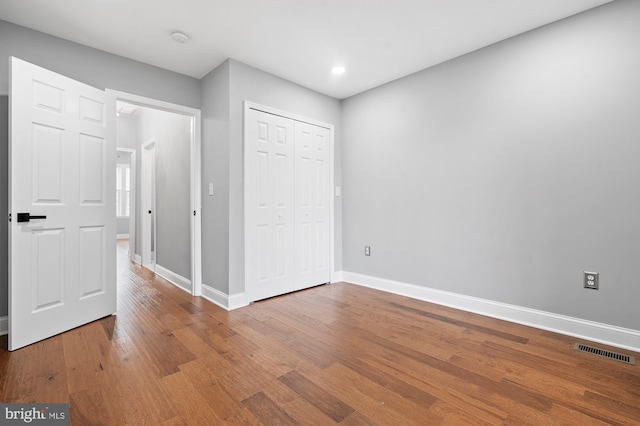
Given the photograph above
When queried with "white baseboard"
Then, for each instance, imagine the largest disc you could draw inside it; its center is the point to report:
(177, 280)
(237, 301)
(225, 301)
(337, 277)
(4, 326)
(589, 330)
(138, 259)
(122, 236)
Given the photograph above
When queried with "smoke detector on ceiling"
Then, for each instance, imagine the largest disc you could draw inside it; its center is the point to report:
(179, 37)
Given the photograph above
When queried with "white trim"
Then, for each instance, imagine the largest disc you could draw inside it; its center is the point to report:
(286, 114)
(583, 329)
(331, 194)
(137, 258)
(196, 203)
(4, 326)
(175, 279)
(223, 300)
(236, 301)
(196, 174)
(122, 236)
(337, 277)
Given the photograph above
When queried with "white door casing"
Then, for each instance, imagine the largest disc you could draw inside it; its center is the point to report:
(288, 203)
(62, 166)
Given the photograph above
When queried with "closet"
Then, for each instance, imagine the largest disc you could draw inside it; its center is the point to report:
(287, 204)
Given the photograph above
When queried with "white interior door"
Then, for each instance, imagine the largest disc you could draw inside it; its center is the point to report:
(62, 173)
(269, 235)
(148, 187)
(288, 209)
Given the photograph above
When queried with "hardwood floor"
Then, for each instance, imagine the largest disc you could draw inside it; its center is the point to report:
(332, 354)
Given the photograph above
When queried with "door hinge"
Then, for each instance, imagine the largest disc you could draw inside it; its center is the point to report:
(9, 217)
(194, 212)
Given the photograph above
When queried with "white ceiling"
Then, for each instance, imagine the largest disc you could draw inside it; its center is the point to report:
(299, 40)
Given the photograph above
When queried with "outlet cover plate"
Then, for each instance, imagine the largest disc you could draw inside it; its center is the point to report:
(591, 280)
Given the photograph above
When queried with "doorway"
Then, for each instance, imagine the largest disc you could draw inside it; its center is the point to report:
(125, 198)
(146, 237)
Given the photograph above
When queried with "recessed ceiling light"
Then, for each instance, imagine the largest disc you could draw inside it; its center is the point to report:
(179, 37)
(338, 70)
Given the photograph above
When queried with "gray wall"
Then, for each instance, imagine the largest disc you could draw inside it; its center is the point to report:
(507, 172)
(172, 133)
(128, 137)
(223, 94)
(127, 127)
(122, 226)
(89, 66)
(93, 67)
(122, 223)
(215, 169)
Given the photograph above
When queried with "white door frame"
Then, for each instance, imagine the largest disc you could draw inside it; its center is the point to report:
(148, 201)
(113, 96)
(132, 200)
(248, 212)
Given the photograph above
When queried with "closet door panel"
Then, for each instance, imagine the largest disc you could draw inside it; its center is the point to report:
(312, 209)
(270, 222)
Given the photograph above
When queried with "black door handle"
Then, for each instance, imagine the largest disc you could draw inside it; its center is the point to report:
(26, 217)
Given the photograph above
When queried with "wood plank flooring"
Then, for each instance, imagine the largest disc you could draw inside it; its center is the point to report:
(336, 354)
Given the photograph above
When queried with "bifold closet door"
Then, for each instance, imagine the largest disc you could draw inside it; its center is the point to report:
(270, 196)
(287, 201)
(312, 205)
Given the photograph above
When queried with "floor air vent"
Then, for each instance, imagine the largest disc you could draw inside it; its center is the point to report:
(627, 359)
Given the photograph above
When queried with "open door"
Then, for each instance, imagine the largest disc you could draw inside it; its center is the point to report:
(62, 266)
(148, 199)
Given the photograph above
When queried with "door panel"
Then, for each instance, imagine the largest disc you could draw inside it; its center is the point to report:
(270, 191)
(47, 164)
(62, 266)
(92, 152)
(312, 210)
(92, 242)
(47, 268)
